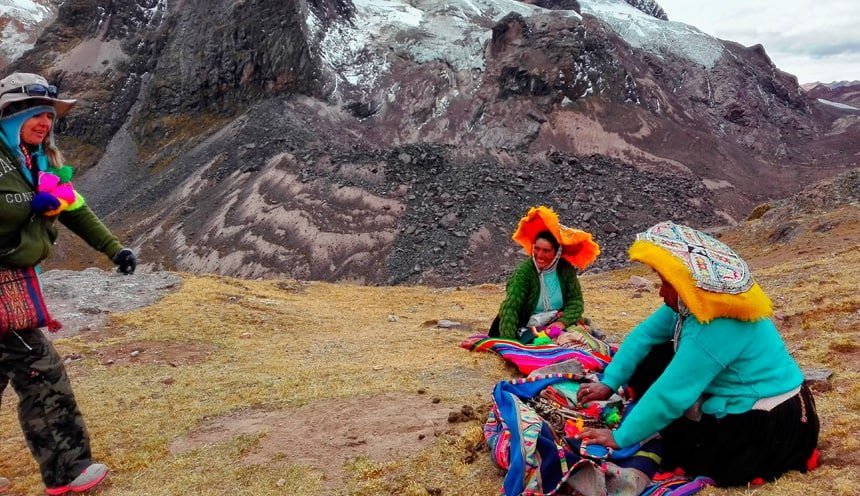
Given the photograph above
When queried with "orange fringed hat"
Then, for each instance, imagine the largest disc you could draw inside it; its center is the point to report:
(577, 247)
(711, 279)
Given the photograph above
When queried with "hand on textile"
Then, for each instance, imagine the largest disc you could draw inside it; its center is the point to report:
(125, 261)
(593, 391)
(602, 437)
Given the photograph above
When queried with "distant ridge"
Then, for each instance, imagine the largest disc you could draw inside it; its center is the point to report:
(840, 92)
(831, 85)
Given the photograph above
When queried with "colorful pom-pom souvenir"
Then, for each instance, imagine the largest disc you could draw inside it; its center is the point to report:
(53, 195)
(611, 416)
(44, 202)
(65, 173)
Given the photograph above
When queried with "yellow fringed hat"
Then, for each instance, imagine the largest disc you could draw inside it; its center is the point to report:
(577, 247)
(711, 279)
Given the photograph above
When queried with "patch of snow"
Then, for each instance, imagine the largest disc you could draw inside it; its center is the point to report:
(26, 11)
(24, 21)
(13, 42)
(454, 32)
(837, 104)
(359, 51)
(655, 35)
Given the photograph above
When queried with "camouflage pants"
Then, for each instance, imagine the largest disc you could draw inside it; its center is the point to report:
(49, 416)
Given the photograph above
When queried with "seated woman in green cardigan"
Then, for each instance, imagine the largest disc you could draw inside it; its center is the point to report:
(544, 289)
(710, 370)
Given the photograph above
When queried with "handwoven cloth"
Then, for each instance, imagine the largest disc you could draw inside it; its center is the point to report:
(528, 358)
(22, 306)
(711, 279)
(539, 461)
(678, 486)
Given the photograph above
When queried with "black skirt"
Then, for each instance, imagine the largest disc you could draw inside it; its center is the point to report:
(735, 449)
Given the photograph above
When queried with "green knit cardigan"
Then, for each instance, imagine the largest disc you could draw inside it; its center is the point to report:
(523, 291)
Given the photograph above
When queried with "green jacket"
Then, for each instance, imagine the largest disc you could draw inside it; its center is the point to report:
(523, 291)
(27, 239)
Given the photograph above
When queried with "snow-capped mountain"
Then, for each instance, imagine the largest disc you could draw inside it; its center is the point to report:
(357, 47)
(394, 140)
(21, 23)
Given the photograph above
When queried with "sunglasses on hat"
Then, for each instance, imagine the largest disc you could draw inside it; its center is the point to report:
(49, 91)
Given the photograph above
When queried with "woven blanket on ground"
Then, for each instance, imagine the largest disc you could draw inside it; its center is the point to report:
(678, 486)
(528, 357)
(541, 458)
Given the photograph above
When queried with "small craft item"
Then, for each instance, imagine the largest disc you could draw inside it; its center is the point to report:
(55, 193)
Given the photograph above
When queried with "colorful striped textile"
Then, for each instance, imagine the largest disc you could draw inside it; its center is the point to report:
(528, 357)
(678, 486)
(520, 441)
(22, 306)
(538, 459)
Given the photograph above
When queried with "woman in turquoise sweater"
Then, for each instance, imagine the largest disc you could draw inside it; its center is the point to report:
(546, 283)
(709, 368)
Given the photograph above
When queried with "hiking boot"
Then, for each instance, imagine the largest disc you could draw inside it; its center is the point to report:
(4, 484)
(89, 478)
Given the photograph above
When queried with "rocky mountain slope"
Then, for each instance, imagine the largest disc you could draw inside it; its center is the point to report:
(400, 142)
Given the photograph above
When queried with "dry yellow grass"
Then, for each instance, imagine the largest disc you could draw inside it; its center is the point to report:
(314, 341)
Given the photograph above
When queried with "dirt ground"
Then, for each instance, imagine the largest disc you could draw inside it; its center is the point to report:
(326, 434)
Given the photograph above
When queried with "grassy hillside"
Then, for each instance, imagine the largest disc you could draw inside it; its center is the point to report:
(285, 387)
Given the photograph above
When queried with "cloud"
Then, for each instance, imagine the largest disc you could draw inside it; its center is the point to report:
(816, 40)
(821, 41)
(823, 69)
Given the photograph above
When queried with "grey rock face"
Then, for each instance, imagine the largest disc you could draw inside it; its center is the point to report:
(83, 300)
(221, 54)
(416, 213)
(199, 57)
(650, 7)
(555, 4)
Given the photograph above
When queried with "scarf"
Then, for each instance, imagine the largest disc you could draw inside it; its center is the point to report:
(550, 269)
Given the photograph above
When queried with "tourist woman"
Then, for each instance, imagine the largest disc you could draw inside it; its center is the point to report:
(35, 192)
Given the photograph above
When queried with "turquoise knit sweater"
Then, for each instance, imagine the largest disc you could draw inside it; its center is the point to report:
(731, 363)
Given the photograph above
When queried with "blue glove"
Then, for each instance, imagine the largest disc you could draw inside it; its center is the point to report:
(125, 261)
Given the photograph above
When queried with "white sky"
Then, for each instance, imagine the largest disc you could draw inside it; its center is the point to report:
(814, 40)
